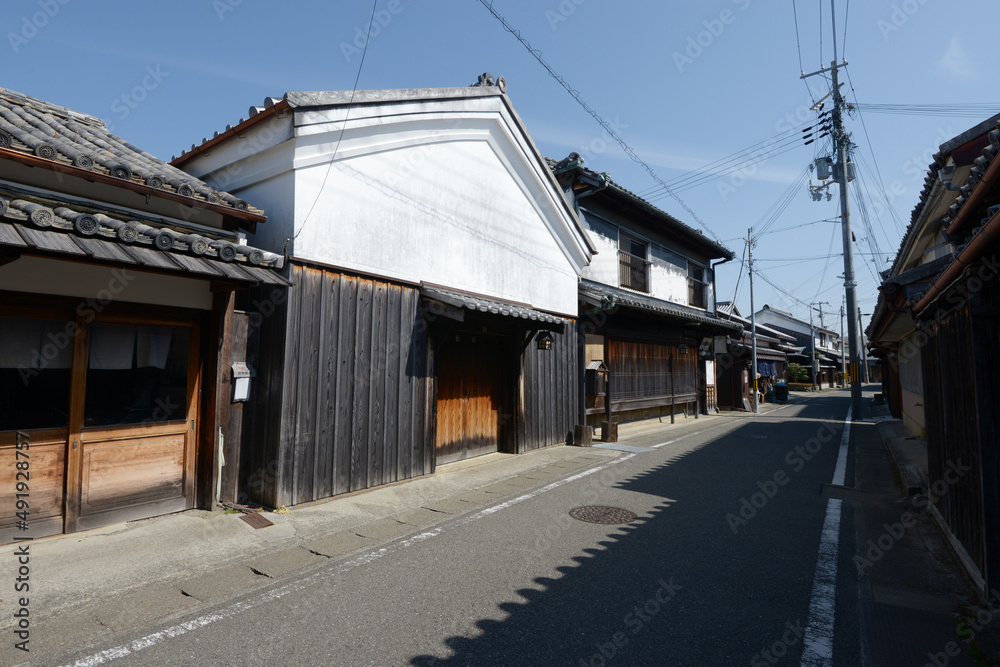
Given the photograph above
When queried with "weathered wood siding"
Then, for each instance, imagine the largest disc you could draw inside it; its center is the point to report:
(953, 437)
(549, 391)
(344, 396)
(641, 370)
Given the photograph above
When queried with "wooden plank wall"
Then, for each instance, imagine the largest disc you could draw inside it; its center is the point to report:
(549, 391)
(953, 426)
(355, 392)
(641, 370)
(986, 335)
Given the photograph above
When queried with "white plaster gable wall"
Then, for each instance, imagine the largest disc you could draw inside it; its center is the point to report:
(443, 190)
(422, 192)
(256, 166)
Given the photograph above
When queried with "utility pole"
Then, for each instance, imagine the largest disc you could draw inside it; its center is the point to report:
(861, 339)
(753, 324)
(841, 141)
(843, 357)
(812, 333)
(812, 345)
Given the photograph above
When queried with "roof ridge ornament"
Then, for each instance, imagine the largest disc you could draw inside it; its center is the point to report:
(486, 79)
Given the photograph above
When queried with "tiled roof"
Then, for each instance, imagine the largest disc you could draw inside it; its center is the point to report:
(29, 223)
(74, 140)
(574, 163)
(649, 304)
(325, 98)
(991, 127)
(981, 164)
(484, 304)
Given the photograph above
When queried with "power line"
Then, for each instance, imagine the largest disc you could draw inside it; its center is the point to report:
(759, 151)
(694, 180)
(343, 128)
(900, 227)
(804, 224)
(843, 44)
(779, 206)
(975, 110)
(739, 276)
(826, 265)
(813, 258)
(595, 115)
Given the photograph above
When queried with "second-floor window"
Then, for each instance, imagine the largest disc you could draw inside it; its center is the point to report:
(697, 286)
(633, 265)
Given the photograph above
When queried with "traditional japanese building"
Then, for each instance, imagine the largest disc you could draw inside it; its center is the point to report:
(936, 328)
(119, 276)
(647, 304)
(436, 263)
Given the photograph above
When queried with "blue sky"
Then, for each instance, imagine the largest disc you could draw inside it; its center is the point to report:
(685, 83)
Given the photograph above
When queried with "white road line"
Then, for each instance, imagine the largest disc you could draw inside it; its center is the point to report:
(818, 639)
(841, 470)
(686, 435)
(155, 638)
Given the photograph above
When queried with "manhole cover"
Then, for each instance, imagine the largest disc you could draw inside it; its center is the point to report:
(256, 520)
(602, 514)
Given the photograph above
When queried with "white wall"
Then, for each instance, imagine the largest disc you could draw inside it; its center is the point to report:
(911, 383)
(667, 275)
(449, 213)
(448, 192)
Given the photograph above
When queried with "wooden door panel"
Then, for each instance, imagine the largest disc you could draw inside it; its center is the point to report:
(483, 400)
(450, 403)
(469, 396)
(124, 472)
(46, 474)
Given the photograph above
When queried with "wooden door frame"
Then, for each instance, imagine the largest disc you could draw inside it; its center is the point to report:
(78, 395)
(510, 371)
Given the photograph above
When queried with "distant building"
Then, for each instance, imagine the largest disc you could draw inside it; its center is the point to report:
(733, 369)
(820, 348)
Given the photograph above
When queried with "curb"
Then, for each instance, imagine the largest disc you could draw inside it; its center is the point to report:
(910, 476)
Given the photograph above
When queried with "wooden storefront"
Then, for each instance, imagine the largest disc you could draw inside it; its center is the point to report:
(108, 410)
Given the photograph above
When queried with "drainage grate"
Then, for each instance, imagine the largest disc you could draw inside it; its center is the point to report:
(256, 520)
(602, 514)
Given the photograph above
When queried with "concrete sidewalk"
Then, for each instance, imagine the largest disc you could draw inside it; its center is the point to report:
(916, 601)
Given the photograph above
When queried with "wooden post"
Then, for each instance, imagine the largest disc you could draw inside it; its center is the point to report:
(670, 367)
(608, 434)
(581, 357)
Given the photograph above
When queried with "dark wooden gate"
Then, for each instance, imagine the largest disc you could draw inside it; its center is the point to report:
(470, 394)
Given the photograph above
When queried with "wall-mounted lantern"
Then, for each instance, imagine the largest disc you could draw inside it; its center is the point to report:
(544, 340)
(683, 349)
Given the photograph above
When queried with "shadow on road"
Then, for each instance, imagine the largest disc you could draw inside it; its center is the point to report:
(685, 585)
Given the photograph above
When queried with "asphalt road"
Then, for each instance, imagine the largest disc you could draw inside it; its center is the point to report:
(718, 569)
